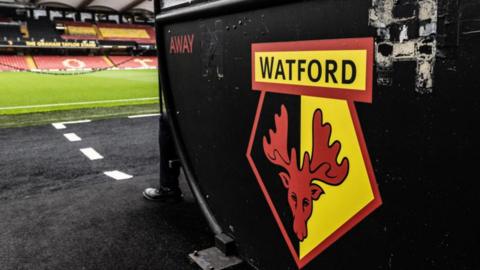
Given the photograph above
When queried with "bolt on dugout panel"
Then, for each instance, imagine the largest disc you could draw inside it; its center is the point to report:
(317, 132)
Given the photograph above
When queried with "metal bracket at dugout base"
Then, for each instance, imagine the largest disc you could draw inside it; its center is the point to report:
(220, 257)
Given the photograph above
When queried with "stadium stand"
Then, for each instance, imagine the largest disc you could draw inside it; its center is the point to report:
(143, 34)
(138, 33)
(137, 62)
(79, 31)
(70, 62)
(20, 35)
(10, 32)
(42, 29)
(13, 62)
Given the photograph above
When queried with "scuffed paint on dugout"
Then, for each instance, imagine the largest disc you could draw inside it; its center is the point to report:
(406, 31)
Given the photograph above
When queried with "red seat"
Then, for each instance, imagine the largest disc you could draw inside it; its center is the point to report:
(70, 62)
(134, 62)
(13, 62)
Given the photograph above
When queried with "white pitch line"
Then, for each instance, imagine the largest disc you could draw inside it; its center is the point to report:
(72, 137)
(91, 153)
(61, 125)
(77, 122)
(76, 103)
(118, 175)
(143, 115)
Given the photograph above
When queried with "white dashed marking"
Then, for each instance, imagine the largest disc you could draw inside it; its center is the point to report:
(61, 125)
(118, 175)
(72, 137)
(91, 153)
(144, 115)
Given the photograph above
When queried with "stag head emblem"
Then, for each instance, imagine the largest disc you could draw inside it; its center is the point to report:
(322, 165)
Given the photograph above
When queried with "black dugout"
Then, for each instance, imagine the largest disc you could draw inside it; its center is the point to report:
(419, 127)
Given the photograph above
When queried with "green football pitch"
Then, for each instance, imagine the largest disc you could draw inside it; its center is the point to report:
(24, 92)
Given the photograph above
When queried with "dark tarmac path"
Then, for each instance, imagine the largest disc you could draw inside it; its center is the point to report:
(58, 210)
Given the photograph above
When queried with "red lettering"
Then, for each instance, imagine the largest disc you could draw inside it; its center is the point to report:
(190, 41)
(178, 42)
(173, 49)
(185, 48)
(181, 44)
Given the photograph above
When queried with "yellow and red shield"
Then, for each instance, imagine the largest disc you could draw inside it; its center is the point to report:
(306, 147)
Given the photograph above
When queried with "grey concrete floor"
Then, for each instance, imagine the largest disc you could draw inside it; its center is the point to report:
(59, 211)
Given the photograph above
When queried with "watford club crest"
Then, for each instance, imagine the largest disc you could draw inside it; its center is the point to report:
(306, 147)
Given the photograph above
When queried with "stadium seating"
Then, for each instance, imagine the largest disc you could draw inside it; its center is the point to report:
(128, 32)
(42, 29)
(10, 32)
(79, 31)
(70, 62)
(12, 62)
(134, 62)
(17, 32)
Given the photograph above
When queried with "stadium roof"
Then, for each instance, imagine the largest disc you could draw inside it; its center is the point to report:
(121, 6)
